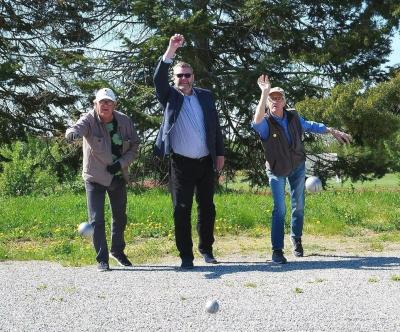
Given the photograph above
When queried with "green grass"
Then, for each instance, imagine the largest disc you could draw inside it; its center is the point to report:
(388, 182)
(44, 228)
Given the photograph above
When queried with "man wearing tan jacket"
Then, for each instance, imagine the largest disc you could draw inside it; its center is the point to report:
(110, 144)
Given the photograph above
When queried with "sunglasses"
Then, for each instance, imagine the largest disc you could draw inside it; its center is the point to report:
(187, 75)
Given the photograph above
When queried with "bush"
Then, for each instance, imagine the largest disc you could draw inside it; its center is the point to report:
(28, 167)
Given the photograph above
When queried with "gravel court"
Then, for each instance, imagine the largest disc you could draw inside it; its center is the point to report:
(314, 293)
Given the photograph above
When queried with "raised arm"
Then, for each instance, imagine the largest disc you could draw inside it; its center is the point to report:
(265, 86)
(161, 81)
(175, 42)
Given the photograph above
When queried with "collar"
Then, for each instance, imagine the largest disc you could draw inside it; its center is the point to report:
(279, 119)
(183, 95)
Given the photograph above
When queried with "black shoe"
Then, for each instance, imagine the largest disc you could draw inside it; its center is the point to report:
(209, 258)
(187, 264)
(121, 259)
(103, 266)
(297, 247)
(277, 257)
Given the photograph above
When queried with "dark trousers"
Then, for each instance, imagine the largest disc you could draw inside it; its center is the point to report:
(96, 194)
(189, 176)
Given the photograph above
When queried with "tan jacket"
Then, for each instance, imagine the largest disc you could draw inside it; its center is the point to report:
(97, 146)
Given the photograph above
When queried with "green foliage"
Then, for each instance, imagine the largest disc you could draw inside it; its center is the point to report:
(54, 54)
(24, 173)
(41, 55)
(370, 116)
(299, 44)
(35, 166)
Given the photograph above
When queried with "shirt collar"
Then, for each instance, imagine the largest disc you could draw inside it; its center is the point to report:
(277, 118)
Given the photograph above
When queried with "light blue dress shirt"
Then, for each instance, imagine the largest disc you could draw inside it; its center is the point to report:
(188, 135)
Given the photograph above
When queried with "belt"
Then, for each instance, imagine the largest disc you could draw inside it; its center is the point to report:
(179, 156)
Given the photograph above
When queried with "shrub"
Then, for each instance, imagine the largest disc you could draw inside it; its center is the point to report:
(27, 167)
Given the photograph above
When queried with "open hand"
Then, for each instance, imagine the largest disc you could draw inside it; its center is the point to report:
(340, 136)
(263, 83)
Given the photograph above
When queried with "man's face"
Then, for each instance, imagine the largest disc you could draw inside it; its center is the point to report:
(276, 102)
(183, 79)
(105, 108)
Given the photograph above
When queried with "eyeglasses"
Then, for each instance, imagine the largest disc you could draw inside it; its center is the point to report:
(275, 98)
(187, 75)
(106, 102)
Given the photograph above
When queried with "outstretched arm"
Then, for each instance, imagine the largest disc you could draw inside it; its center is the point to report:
(265, 86)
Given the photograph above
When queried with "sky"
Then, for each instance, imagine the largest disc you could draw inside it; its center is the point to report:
(395, 56)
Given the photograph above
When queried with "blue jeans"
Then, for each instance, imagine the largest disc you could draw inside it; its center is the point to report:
(296, 186)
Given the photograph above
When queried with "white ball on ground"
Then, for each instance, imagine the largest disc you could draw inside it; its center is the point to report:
(313, 184)
(85, 229)
(212, 306)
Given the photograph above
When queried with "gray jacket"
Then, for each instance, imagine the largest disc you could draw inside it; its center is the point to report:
(97, 146)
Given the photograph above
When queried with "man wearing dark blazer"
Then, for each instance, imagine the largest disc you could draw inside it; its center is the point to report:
(190, 133)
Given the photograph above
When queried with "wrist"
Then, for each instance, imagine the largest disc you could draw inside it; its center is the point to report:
(264, 94)
(170, 52)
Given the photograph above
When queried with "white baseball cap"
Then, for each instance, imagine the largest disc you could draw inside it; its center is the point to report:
(279, 90)
(105, 93)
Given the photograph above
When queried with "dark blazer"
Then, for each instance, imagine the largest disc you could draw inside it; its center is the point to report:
(171, 100)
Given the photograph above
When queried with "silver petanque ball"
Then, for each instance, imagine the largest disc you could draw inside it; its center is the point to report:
(212, 306)
(85, 229)
(313, 184)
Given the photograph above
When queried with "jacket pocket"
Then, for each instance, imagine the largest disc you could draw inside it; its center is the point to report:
(98, 144)
(126, 144)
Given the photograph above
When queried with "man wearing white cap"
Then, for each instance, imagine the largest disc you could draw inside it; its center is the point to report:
(110, 144)
(280, 131)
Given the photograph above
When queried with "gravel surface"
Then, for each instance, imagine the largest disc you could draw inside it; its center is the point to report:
(314, 293)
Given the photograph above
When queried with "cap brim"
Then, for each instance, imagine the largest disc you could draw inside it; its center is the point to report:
(105, 98)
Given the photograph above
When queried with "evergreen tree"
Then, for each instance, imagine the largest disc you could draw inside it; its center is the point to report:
(40, 42)
(306, 47)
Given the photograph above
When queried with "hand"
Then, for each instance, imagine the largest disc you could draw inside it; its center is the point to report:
(340, 136)
(263, 83)
(219, 163)
(176, 41)
(72, 136)
(114, 167)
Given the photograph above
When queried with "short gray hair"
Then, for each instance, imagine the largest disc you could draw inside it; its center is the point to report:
(183, 65)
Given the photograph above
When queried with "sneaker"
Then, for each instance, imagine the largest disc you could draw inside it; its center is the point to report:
(297, 247)
(209, 258)
(103, 266)
(187, 264)
(121, 259)
(277, 257)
